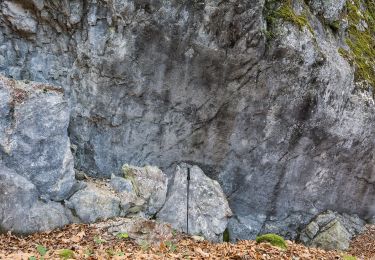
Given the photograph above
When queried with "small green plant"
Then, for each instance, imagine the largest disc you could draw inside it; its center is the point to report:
(111, 252)
(88, 252)
(41, 250)
(120, 253)
(99, 240)
(171, 246)
(174, 232)
(273, 239)
(122, 235)
(144, 245)
(226, 236)
(349, 257)
(32, 258)
(66, 253)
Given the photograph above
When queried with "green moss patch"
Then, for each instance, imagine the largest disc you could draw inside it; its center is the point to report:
(283, 10)
(273, 239)
(361, 39)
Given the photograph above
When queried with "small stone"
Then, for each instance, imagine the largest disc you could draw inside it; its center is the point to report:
(197, 238)
(120, 184)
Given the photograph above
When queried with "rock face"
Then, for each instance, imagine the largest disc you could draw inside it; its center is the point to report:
(331, 231)
(208, 208)
(265, 105)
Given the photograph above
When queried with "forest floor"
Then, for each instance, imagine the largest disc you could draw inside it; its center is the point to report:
(81, 241)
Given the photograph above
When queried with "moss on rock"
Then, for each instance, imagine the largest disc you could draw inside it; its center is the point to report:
(283, 10)
(361, 39)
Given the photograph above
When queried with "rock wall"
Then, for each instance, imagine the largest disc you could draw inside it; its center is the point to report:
(256, 94)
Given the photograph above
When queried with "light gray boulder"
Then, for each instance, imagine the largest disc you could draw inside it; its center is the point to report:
(331, 230)
(92, 204)
(149, 184)
(33, 136)
(208, 207)
(21, 210)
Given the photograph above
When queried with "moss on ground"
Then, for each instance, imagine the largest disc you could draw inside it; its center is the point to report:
(361, 39)
(273, 239)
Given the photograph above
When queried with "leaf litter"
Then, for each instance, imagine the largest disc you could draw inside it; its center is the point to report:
(80, 241)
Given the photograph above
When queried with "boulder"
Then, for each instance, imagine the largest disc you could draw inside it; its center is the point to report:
(149, 184)
(208, 207)
(331, 230)
(21, 210)
(93, 203)
(142, 192)
(34, 142)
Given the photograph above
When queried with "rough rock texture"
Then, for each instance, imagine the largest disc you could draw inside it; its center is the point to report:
(34, 141)
(331, 230)
(208, 207)
(143, 231)
(149, 184)
(36, 162)
(120, 184)
(21, 211)
(92, 204)
(278, 121)
(142, 193)
(329, 9)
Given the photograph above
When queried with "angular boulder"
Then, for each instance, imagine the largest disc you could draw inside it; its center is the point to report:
(142, 191)
(36, 171)
(21, 211)
(331, 230)
(149, 184)
(208, 207)
(92, 204)
(34, 141)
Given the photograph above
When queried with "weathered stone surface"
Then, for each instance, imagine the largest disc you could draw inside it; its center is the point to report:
(92, 204)
(33, 136)
(208, 207)
(329, 9)
(279, 121)
(334, 236)
(21, 211)
(21, 19)
(121, 184)
(149, 184)
(331, 230)
(143, 231)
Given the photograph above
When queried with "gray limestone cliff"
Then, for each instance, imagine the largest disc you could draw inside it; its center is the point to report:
(271, 99)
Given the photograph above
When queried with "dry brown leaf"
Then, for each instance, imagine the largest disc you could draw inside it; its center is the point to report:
(77, 238)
